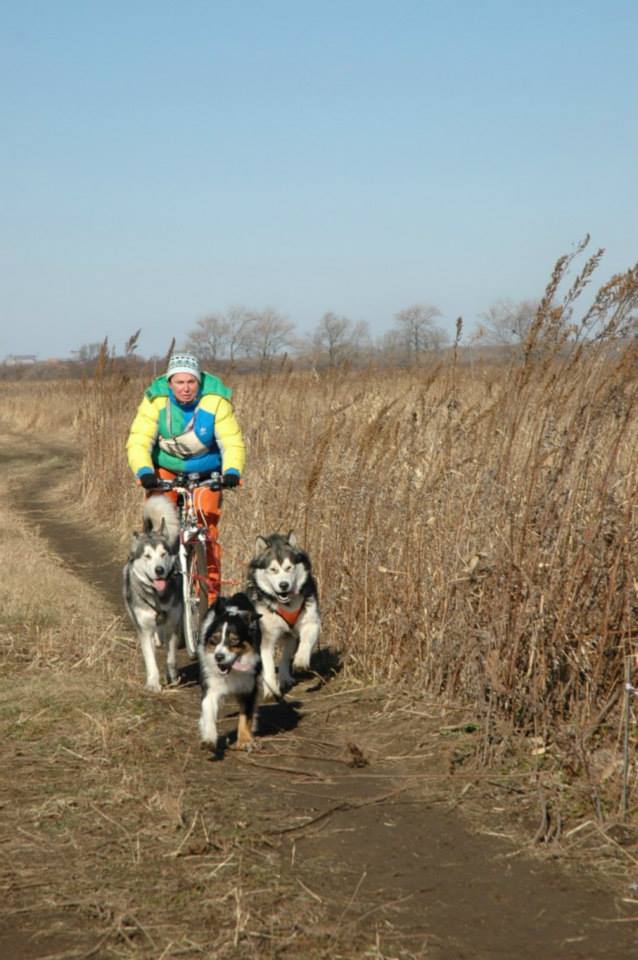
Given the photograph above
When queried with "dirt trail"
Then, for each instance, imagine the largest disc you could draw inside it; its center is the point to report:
(350, 804)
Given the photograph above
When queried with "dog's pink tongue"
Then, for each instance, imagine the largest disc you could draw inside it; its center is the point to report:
(160, 585)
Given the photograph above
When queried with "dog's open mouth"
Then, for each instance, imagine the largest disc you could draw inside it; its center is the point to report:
(283, 597)
(225, 666)
(160, 584)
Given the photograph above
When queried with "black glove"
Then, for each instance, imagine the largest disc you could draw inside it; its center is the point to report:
(149, 481)
(231, 480)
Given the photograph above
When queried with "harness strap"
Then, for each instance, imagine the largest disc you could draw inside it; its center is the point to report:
(185, 444)
(208, 582)
(290, 616)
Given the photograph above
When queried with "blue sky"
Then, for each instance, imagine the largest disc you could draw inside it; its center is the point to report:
(165, 160)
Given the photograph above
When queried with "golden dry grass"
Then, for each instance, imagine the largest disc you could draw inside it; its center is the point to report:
(472, 528)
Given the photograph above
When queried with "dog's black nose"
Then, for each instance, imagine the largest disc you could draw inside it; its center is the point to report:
(160, 571)
(284, 586)
(220, 657)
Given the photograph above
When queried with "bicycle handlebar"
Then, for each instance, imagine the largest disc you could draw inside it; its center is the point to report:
(216, 481)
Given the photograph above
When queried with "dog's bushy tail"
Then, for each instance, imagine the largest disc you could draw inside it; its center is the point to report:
(158, 509)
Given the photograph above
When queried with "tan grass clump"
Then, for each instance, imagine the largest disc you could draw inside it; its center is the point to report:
(49, 621)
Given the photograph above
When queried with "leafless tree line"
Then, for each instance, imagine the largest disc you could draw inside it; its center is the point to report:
(241, 334)
(335, 341)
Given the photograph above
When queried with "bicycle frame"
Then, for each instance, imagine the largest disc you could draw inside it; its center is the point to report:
(190, 528)
(193, 537)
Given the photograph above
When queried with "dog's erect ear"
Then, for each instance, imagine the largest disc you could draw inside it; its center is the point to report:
(244, 606)
(162, 528)
(135, 537)
(148, 525)
(292, 539)
(261, 544)
(249, 616)
(240, 605)
(240, 612)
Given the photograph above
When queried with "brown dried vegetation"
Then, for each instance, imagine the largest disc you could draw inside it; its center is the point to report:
(472, 526)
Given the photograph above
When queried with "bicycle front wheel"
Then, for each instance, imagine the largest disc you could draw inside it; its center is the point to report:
(195, 596)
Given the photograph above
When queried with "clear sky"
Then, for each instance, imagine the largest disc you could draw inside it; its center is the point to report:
(162, 160)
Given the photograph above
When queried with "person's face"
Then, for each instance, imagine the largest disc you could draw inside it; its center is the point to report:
(184, 387)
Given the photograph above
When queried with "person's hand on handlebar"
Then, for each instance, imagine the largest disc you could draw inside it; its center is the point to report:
(150, 481)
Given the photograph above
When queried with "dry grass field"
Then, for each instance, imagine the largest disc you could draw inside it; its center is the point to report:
(473, 531)
(473, 526)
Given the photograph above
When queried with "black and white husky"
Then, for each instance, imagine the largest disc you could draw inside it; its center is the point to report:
(152, 591)
(229, 664)
(283, 591)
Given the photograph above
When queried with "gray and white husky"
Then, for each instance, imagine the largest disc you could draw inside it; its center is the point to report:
(282, 589)
(152, 592)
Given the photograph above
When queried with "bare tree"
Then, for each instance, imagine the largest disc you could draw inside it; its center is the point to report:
(209, 338)
(269, 332)
(240, 324)
(508, 321)
(224, 336)
(417, 331)
(338, 339)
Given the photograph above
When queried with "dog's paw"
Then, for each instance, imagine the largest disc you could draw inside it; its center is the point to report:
(210, 746)
(286, 680)
(153, 686)
(270, 692)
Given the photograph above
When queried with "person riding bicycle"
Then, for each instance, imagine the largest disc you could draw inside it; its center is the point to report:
(186, 424)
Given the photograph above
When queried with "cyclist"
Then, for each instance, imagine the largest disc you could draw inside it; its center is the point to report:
(186, 424)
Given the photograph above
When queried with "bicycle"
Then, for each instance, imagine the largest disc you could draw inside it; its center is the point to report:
(191, 556)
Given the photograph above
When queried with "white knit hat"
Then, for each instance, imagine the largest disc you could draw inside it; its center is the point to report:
(184, 363)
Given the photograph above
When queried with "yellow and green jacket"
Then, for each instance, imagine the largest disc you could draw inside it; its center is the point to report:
(186, 438)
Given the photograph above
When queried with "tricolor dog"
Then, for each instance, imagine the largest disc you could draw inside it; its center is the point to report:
(282, 589)
(229, 665)
(152, 591)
